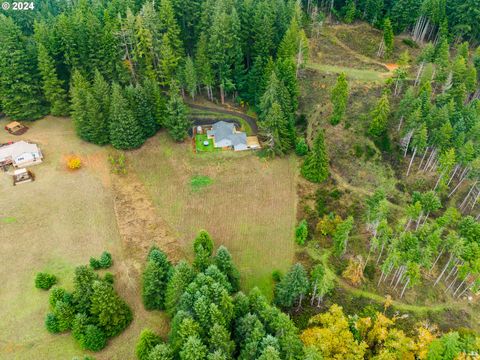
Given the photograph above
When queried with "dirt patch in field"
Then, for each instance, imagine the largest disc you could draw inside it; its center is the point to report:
(139, 224)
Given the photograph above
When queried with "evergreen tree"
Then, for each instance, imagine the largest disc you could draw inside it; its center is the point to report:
(404, 13)
(155, 279)
(315, 166)
(176, 122)
(156, 101)
(190, 76)
(183, 275)
(193, 349)
(379, 116)
(52, 86)
(349, 11)
(275, 129)
(146, 343)
(125, 132)
(203, 65)
(339, 98)
(388, 38)
(293, 287)
(100, 119)
(111, 313)
(342, 233)
(161, 352)
(143, 106)
(223, 260)
(20, 90)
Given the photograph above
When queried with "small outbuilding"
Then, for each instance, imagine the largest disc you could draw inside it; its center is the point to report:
(21, 176)
(15, 128)
(20, 154)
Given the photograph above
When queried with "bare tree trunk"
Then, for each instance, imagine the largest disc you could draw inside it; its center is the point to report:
(423, 158)
(436, 260)
(453, 175)
(400, 123)
(438, 181)
(381, 252)
(411, 160)
(468, 195)
(443, 271)
(461, 284)
(405, 287)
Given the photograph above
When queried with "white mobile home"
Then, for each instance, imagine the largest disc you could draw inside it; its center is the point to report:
(20, 154)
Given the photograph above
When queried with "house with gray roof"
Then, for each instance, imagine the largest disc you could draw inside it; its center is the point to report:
(225, 135)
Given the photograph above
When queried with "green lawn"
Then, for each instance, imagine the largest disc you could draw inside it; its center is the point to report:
(199, 139)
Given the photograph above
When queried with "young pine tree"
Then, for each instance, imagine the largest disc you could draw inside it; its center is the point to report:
(52, 86)
(342, 233)
(101, 119)
(125, 132)
(315, 166)
(379, 116)
(80, 92)
(155, 279)
(293, 287)
(388, 38)
(176, 122)
(111, 313)
(339, 99)
(190, 77)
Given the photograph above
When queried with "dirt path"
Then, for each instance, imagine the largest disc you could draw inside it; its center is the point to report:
(250, 120)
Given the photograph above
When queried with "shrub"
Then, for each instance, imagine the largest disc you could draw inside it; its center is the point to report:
(65, 313)
(109, 278)
(95, 263)
(328, 224)
(74, 162)
(78, 327)
(45, 281)
(301, 147)
(301, 232)
(148, 340)
(118, 164)
(105, 260)
(51, 323)
(410, 43)
(94, 339)
(277, 276)
(56, 294)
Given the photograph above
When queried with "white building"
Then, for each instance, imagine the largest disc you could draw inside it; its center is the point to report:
(20, 154)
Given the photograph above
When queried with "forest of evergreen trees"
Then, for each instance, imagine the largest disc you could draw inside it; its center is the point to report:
(119, 67)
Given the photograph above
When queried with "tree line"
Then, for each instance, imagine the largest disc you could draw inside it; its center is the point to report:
(135, 57)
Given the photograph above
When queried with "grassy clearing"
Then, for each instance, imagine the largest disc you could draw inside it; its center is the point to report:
(249, 207)
(352, 74)
(62, 219)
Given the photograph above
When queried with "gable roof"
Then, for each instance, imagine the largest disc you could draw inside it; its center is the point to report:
(225, 133)
(16, 149)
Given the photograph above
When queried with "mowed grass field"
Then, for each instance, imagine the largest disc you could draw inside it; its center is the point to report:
(55, 224)
(249, 204)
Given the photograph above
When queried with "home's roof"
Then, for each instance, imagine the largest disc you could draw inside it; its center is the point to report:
(16, 149)
(223, 131)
